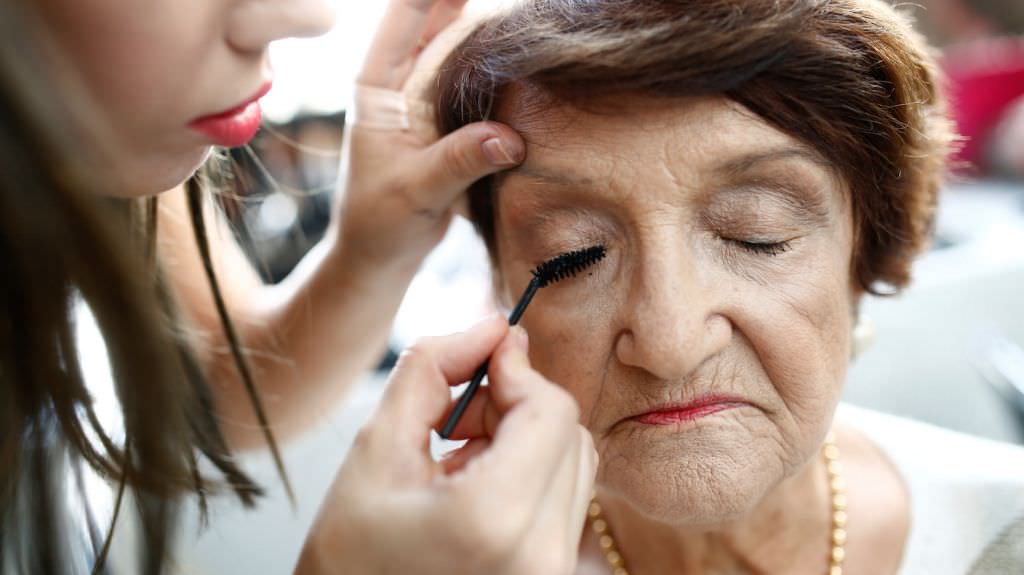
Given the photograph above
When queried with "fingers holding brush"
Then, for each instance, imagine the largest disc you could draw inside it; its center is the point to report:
(419, 388)
(480, 419)
(457, 460)
(533, 425)
(528, 461)
(512, 501)
(540, 463)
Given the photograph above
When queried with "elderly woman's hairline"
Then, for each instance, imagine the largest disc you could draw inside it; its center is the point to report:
(847, 77)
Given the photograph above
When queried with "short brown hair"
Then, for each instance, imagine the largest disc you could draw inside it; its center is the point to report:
(848, 77)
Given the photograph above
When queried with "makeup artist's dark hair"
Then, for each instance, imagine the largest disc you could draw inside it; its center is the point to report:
(61, 247)
(848, 77)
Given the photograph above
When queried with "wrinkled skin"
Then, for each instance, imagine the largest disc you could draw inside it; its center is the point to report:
(685, 305)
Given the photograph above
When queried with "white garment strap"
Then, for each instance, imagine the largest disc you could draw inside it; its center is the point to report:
(379, 109)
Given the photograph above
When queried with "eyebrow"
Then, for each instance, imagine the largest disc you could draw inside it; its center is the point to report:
(747, 162)
(801, 199)
(540, 173)
(731, 167)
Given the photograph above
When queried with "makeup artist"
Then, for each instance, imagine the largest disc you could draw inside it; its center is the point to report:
(104, 105)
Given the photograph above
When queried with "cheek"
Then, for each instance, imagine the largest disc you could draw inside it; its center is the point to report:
(138, 59)
(798, 331)
(139, 62)
(801, 338)
(571, 343)
(569, 323)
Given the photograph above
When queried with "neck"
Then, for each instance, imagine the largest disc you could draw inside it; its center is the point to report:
(773, 538)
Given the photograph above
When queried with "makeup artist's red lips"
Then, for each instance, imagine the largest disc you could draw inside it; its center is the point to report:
(691, 411)
(236, 126)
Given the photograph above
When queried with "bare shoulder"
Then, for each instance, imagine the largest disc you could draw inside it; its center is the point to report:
(879, 509)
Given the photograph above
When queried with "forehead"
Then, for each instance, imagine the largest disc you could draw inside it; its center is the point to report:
(641, 138)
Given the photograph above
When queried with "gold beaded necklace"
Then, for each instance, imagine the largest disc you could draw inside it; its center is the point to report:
(837, 492)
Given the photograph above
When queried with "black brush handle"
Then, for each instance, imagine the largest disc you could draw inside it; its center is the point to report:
(520, 309)
(478, 376)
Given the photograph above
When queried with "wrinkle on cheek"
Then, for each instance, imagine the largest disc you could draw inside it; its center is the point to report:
(799, 343)
(573, 347)
(729, 375)
(788, 455)
(564, 355)
(824, 305)
(592, 413)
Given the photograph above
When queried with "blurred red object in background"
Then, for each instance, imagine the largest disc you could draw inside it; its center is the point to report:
(986, 82)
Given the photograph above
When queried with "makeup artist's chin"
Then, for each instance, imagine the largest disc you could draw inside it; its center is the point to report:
(158, 173)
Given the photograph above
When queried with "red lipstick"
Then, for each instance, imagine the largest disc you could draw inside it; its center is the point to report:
(687, 412)
(235, 127)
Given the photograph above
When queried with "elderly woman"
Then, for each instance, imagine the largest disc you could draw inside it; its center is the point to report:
(753, 168)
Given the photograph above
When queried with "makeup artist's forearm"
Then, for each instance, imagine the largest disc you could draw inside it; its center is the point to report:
(313, 337)
(308, 339)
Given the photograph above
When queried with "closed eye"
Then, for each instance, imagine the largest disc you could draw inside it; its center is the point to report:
(763, 248)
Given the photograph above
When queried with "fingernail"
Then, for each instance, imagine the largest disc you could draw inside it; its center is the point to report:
(499, 154)
(522, 338)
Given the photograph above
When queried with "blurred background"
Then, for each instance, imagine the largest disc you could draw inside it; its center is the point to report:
(947, 351)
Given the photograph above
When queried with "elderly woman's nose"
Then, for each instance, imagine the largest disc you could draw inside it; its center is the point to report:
(254, 24)
(670, 328)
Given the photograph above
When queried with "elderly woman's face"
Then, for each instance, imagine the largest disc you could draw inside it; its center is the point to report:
(707, 351)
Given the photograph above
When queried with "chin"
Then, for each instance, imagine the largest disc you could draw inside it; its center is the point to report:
(140, 177)
(688, 489)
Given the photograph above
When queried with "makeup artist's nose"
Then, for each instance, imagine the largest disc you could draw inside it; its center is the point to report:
(254, 24)
(669, 325)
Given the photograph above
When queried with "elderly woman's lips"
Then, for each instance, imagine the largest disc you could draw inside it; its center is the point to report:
(689, 411)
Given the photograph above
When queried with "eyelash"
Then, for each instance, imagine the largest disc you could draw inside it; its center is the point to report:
(771, 249)
(572, 276)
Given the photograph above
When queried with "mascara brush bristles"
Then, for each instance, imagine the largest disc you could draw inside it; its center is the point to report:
(568, 265)
(562, 267)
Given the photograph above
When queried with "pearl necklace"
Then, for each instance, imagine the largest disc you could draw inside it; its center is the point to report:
(837, 492)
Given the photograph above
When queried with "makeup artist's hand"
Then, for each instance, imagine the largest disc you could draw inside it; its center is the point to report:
(322, 328)
(511, 502)
(401, 186)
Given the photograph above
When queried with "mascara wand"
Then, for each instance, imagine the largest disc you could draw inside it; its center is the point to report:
(564, 266)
